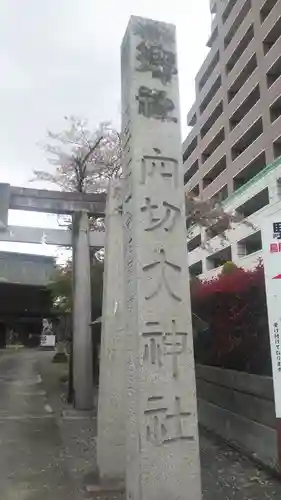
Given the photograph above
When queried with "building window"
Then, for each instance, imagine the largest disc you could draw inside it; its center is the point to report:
(217, 229)
(275, 110)
(194, 243)
(247, 139)
(250, 171)
(209, 70)
(277, 148)
(241, 79)
(193, 121)
(221, 195)
(228, 10)
(214, 172)
(189, 150)
(191, 172)
(272, 36)
(240, 49)
(219, 258)
(211, 94)
(249, 245)
(195, 269)
(213, 145)
(213, 6)
(214, 116)
(245, 107)
(254, 204)
(274, 73)
(213, 38)
(195, 191)
(267, 8)
(237, 23)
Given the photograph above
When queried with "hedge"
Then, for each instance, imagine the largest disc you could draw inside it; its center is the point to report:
(234, 307)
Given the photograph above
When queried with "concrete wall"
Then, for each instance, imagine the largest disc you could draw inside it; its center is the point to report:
(239, 407)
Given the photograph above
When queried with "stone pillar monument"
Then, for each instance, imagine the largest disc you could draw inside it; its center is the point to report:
(112, 390)
(82, 335)
(162, 457)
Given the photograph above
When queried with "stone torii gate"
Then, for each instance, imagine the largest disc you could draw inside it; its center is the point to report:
(80, 207)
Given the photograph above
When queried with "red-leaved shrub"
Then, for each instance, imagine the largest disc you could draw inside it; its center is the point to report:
(234, 307)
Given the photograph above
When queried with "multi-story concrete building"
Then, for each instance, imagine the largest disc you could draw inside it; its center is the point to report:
(259, 198)
(236, 118)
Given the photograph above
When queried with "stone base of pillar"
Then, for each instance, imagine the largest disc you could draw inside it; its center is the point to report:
(73, 414)
(104, 488)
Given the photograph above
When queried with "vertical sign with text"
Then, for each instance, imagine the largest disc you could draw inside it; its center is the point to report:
(271, 236)
(161, 428)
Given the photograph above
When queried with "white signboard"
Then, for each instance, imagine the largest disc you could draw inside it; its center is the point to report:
(271, 237)
(48, 341)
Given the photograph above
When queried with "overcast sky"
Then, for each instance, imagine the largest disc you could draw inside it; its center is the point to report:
(61, 57)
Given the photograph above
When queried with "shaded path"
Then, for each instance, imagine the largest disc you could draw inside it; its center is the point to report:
(47, 451)
(31, 463)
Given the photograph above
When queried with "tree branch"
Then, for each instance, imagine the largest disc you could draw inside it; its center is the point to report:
(90, 152)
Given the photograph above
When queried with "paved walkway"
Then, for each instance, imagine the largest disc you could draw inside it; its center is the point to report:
(32, 466)
(47, 451)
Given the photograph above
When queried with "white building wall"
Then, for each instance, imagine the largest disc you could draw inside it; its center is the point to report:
(269, 178)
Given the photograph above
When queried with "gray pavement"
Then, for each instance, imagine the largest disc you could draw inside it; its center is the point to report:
(47, 451)
(31, 463)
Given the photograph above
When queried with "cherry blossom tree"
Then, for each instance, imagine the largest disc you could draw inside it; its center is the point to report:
(83, 160)
(211, 215)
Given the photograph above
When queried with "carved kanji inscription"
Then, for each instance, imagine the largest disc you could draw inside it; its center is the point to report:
(175, 344)
(154, 103)
(160, 62)
(153, 347)
(164, 427)
(168, 214)
(161, 341)
(159, 267)
(156, 167)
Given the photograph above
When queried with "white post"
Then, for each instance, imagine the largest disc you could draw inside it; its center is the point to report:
(271, 238)
(111, 403)
(82, 335)
(161, 422)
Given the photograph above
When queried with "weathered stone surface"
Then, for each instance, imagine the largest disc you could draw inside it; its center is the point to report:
(162, 457)
(250, 437)
(82, 335)
(111, 404)
(56, 202)
(239, 407)
(47, 236)
(4, 205)
(239, 402)
(239, 381)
